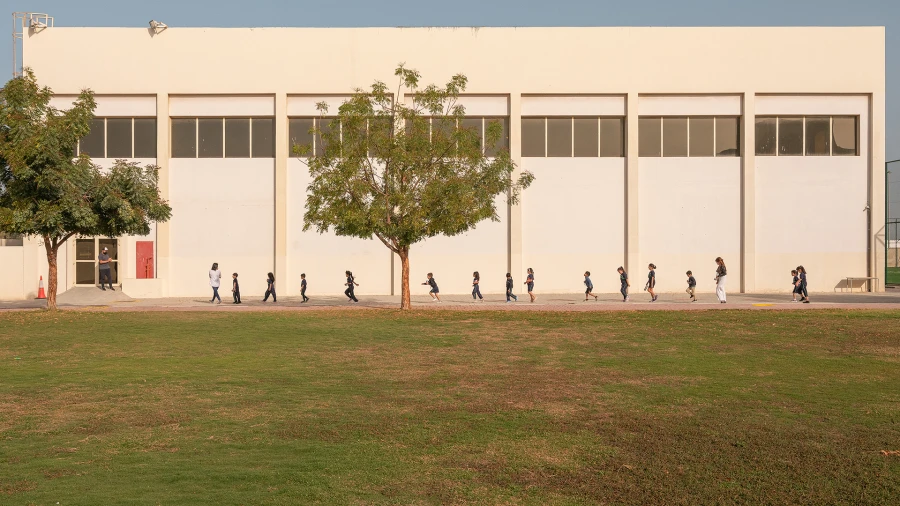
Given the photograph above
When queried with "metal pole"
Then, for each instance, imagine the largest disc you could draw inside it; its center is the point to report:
(887, 216)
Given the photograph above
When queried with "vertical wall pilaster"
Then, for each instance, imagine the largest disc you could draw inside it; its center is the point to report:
(748, 193)
(163, 252)
(877, 232)
(514, 244)
(281, 194)
(632, 246)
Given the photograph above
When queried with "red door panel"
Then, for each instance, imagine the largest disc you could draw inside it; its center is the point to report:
(144, 257)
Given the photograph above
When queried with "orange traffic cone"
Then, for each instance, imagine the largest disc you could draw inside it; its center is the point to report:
(41, 294)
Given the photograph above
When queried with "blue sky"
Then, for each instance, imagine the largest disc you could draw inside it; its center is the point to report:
(321, 13)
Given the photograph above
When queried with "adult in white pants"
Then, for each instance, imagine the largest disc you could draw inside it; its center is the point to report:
(721, 274)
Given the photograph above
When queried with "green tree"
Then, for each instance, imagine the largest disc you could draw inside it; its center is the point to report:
(404, 173)
(47, 191)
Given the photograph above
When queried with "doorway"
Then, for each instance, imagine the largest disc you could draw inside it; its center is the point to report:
(87, 268)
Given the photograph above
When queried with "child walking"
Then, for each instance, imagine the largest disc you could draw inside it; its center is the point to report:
(270, 288)
(303, 288)
(801, 271)
(692, 286)
(530, 282)
(235, 289)
(623, 281)
(509, 288)
(434, 292)
(350, 284)
(476, 289)
(796, 283)
(588, 286)
(651, 282)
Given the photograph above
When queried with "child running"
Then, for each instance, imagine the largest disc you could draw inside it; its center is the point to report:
(434, 292)
(303, 288)
(509, 289)
(796, 283)
(235, 289)
(623, 281)
(476, 289)
(270, 288)
(651, 282)
(692, 286)
(588, 286)
(350, 284)
(530, 282)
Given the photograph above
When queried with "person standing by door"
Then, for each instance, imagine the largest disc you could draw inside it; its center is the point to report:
(721, 272)
(105, 271)
(215, 277)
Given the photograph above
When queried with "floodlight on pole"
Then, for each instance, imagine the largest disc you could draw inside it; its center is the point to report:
(157, 26)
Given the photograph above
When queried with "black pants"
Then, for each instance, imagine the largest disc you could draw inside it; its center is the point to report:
(303, 293)
(349, 293)
(476, 292)
(105, 274)
(624, 290)
(272, 293)
(237, 296)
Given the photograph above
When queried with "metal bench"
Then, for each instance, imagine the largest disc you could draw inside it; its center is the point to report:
(850, 279)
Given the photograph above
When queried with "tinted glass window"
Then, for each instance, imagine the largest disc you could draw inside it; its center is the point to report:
(263, 137)
(818, 136)
(728, 133)
(209, 132)
(702, 131)
(587, 137)
(184, 138)
(145, 137)
(649, 137)
(502, 144)
(237, 137)
(476, 126)
(845, 136)
(93, 144)
(118, 138)
(612, 137)
(675, 137)
(790, 136)
(325, 125)
(533, 137)
(559, 137)
(298, 133)
(765, 136)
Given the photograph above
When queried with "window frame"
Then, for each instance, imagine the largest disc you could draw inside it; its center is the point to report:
(804, 118)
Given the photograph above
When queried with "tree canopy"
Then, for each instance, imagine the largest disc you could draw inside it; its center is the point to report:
(404, 173)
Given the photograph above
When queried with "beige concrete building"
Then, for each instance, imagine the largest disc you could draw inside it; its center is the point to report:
(764, 146)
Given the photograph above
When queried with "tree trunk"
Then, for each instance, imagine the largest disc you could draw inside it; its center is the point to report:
(405, 302)
(51, 273)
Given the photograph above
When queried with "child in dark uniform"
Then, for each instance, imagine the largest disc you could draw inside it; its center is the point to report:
(529, 281)
(235, 289)
(651, 282)
(692, 286)
(303, 288)
(350, 284)
(270, 288)
(624, 283)
(509, 288)
(476, 290)
(796, 283)
(434, 292)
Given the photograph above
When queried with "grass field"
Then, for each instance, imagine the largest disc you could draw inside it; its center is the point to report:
(361, 407)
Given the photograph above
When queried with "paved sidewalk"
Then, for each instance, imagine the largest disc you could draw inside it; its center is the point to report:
(95, 299)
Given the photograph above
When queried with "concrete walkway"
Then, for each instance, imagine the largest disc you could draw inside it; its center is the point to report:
(96, 299)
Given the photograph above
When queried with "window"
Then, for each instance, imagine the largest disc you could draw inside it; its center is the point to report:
(766, 136)
(502, 143)
(586, 137)
(237, 137)
(299, 134)
(808, 135)
(184, 138)
(145, 137)
(579, 136)
(118, 138)
(675, 137)
(94, 143)
(650, 137)
(844, 136)
(703, 136)
(728, 136)
(818, 137)
(11, 239)
(559, 137)
(534, 137)
(612, 137)
(790, 136)
(223, 137)
(263, 142)
(325, 125)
